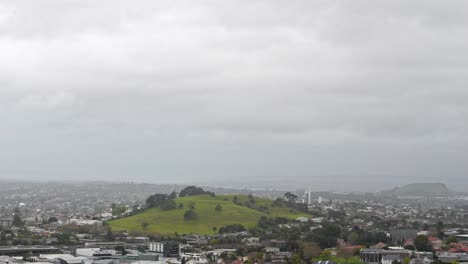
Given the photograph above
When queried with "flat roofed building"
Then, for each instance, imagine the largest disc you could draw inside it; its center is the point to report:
(167, 249)
(381, 256)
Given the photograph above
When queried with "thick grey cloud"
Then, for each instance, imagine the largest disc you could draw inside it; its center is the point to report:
(195, 91)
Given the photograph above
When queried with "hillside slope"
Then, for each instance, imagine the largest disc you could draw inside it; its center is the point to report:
(169, 222)
(422, 189)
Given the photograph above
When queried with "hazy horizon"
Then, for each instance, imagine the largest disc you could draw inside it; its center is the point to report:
(336, 95)
(266, 184)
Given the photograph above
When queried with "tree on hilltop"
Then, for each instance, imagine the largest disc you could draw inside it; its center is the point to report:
(163, 201)
(193, 190)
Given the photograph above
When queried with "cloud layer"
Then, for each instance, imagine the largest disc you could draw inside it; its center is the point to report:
(85, 80)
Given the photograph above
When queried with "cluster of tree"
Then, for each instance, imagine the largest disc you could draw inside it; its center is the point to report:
(326, 236)
(163, 201)
(250, 203)
(337, 215)
(22, 236)
(357, 236)
(121, 249)
(228, 256)
(279, 202)
(290, 200)
(194, 190)
(255, 255)
(167, 201)
(52, 219)
(290, 197)
(271, 223)
(234, 228)
(422, 243)
(83, 229)
(118, 209)
(450, 240)
(66, 238)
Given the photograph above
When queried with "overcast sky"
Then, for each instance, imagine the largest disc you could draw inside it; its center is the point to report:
(329, 94)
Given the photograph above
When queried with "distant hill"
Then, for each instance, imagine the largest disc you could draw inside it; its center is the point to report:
(421, 189)
(157, 221)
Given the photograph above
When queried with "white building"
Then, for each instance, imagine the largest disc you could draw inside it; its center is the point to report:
(302, 219)
(95, 252)
(156, 247)
(84, 222)
(195, 258)
(320, 200)
(70, 259)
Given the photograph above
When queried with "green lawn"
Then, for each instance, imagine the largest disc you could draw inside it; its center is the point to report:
(169, 222)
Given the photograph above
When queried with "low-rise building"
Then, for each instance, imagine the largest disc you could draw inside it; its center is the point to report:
(167, 249)
(381, 256)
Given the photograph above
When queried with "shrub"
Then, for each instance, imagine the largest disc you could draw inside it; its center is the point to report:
(190, 215)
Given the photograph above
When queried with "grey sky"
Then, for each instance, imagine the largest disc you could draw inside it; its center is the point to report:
(189, 91)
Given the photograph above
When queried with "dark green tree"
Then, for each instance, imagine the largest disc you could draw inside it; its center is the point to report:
(190, 215)
(295, 259)
(234, 228)
(290, 197)
(425, 227)
(121, 249)
(162, 201)
(422, 243)
(451, 239)
(52, 219)
(141, 249)
(439, 228)
(326, 236)
(173, 195)
(192, 190)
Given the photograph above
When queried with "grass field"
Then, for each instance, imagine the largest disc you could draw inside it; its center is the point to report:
(169, 222)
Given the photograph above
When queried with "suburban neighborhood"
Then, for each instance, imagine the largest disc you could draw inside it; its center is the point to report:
(393, 226)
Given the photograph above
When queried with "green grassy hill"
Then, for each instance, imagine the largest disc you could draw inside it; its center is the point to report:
(171, 221)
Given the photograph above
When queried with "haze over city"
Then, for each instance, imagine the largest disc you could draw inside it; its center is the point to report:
(233, 132)
(365, 94)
